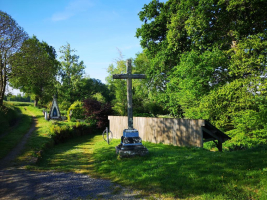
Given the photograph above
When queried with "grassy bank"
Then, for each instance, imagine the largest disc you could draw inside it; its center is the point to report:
(168, 171)
(49, 133)
(39, 138)
(10, 140)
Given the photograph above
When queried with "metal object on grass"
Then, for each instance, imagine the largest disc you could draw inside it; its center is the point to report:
(107, 135)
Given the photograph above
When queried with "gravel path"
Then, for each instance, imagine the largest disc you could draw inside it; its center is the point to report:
(19, 183)
(24, 184)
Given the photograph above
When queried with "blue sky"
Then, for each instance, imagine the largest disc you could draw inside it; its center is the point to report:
(94, 28)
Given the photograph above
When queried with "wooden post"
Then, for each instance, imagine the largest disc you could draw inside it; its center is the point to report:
(129, 94)
(129, 76)
(219, 145)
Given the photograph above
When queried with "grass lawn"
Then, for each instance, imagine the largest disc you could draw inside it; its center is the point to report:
(10, 140)
(168, 171)
(40, 139)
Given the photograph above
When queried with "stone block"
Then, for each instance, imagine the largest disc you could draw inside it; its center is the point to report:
(131, 151)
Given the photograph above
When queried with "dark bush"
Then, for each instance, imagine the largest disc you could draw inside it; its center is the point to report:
(8, 116)
(97, 113)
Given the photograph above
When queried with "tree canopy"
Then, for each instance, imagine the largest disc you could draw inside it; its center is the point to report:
(34, 68)
(207, 59)
(11, 39)
(143, 100)
(70, 73)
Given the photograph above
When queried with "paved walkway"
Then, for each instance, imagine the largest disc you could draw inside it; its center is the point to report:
(19, 183)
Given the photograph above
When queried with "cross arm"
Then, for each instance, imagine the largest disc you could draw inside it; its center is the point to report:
(126, 76)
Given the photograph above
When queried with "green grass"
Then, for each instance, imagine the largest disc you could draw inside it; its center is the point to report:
(40, 139)
(10, 140)
(19, 103)
(168, 171)
(74, 155)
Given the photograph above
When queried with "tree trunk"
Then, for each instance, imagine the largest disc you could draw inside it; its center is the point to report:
(1, 100)
(219, 145)
(36, 101)
(3, 77)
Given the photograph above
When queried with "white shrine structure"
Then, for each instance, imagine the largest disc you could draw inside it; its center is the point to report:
(54, 111)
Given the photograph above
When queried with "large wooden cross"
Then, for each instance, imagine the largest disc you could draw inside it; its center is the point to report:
(129, 76)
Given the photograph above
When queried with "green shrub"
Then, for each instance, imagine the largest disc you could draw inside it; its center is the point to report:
(77, 110)
(143, 115)
(63, 112)
(49, 105)
(61, 133)
(64, 106)
(99, 97)
(250, 129)
(209, 145)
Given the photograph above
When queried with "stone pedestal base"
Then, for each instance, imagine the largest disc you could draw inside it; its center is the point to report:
(131, 150)
(56, 118)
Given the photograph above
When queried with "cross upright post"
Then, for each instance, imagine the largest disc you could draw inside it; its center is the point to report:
(131, 143)
(129, 76)
(129, 95)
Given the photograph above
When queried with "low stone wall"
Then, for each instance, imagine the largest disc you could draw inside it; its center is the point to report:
(178, 132)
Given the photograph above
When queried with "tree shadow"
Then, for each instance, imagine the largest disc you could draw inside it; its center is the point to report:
(182, 172)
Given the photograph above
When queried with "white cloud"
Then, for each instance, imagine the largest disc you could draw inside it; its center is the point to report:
(73, 8)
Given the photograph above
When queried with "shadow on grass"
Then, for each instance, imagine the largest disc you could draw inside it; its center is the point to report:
(188, 172)
(75, 155)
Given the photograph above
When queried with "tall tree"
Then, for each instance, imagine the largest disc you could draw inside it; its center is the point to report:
(11, 39)
(118, 87)
(71, 72)
(143, 99)
(88, 87)
(176, 27)
(208, 60)
(145, 92)
(34, 68)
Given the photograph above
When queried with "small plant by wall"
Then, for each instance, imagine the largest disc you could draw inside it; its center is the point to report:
(76, 110)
